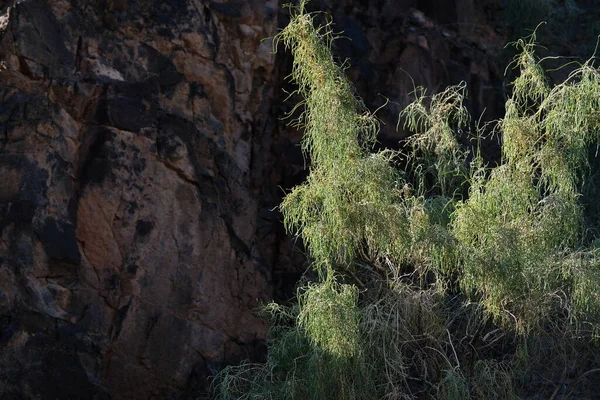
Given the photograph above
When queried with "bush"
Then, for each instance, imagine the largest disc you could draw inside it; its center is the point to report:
(423, 274)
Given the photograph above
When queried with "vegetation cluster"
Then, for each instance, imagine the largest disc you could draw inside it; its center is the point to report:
(445, 278)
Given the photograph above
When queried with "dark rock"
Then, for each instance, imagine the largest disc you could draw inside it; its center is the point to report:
(58, 238)
(128, 113)
(39, 37)
(142, 228)
(229, 8)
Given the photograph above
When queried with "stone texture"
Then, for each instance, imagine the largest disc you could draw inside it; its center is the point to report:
(141, 155)
(132, 161)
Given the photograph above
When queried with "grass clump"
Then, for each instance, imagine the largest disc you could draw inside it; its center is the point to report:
(425, 276)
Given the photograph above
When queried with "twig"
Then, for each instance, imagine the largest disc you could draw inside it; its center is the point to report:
(453, 350)
(358, 281)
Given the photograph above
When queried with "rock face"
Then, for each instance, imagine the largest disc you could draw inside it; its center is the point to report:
(133, 150)
(140, 158)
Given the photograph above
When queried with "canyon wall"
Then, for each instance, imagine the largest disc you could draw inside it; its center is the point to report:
(142, 154)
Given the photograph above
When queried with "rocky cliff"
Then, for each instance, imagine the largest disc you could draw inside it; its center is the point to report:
(141, 155)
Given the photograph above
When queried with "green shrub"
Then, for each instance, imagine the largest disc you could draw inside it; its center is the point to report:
(522, 227)
(422, 273)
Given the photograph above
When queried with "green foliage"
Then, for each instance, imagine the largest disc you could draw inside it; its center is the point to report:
(521, 228)
(435, 154)
(383, 319)
(351, 196)
(329, 315)
(314, 351)
(393, 339)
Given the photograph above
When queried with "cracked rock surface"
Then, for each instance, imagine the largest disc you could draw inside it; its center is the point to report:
(132, 153)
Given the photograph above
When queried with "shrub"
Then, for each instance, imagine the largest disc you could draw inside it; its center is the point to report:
(522, 227)
(423, 273)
